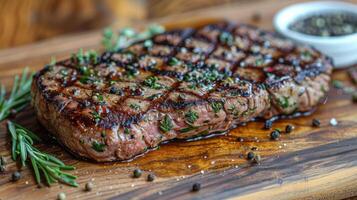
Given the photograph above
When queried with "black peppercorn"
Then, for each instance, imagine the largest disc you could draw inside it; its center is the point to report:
(256, 17)
(268, 124)
(2, 160)
(151, 177)
(196, 187)
(16, 176)
(2, 168)
(137, 173)
(240, 139)
(289, 128)
(316, 123)
(13, 113)
(275, 135)
(256, 159)
(89, 186)
(326, 24)
(250, 155)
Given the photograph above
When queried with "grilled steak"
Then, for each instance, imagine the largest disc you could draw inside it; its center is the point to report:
(179, 84)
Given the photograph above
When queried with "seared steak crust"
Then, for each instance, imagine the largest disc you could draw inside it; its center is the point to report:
(178, 84)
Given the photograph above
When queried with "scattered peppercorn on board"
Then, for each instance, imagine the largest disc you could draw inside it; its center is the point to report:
(310, 162)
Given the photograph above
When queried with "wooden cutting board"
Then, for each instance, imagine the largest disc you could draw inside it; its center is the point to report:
(309, 163)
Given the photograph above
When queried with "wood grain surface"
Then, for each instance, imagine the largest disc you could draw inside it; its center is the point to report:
(36, 20)
(159, 8)
(24, 22)
(309, 163)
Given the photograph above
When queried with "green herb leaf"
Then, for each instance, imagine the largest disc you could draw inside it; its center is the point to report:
(127, 131)
(98, 146)
(174, 61)
(148, 44)
(166, 124)
(88, 57)
(127, 36)
(226, 38)
(19, 96)
(98, 97)
(108, 39)
(96, 116)
(283, 102)
(152, 83)
(216, 106)
(155, 96)
(42, 163)
(134, 106)
(187, 129)
(53, 61)
(191, 116)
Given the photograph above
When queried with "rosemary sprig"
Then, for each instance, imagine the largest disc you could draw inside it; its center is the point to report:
(127, 36)
(19, 96)
(42, 163)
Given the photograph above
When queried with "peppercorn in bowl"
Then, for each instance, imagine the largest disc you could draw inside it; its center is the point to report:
(329, 26)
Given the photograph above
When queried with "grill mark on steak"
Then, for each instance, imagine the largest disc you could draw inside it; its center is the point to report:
(199, 81)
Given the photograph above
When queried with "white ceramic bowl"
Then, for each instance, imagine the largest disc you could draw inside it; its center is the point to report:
(342, 49)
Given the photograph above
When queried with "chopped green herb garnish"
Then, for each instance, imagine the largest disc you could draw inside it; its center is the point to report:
(259, 62)
(103, 134)
(53, 61)
(233, 110)
(203, 78)
(306, 55)
(91, 56)
(96, 116)
(98, 146)
(226, 38)
(80, 56)
(42, 163)
(87, 57)
(134, 106)
(155, 96)
(216, 106)
(249, 111)
(148, 44)
(181, 96)
(283, 102)
(152, 82)
(127, 131)
(84, 70)
(98, 97)
(108, 40)
(191, 116)
(127, 36)
(166, 124)
(174, 61)
(112, 82)
(64, 72)
(205, 132)
(131, 72)
(88, 79)
(192, 86)
(234, 93)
